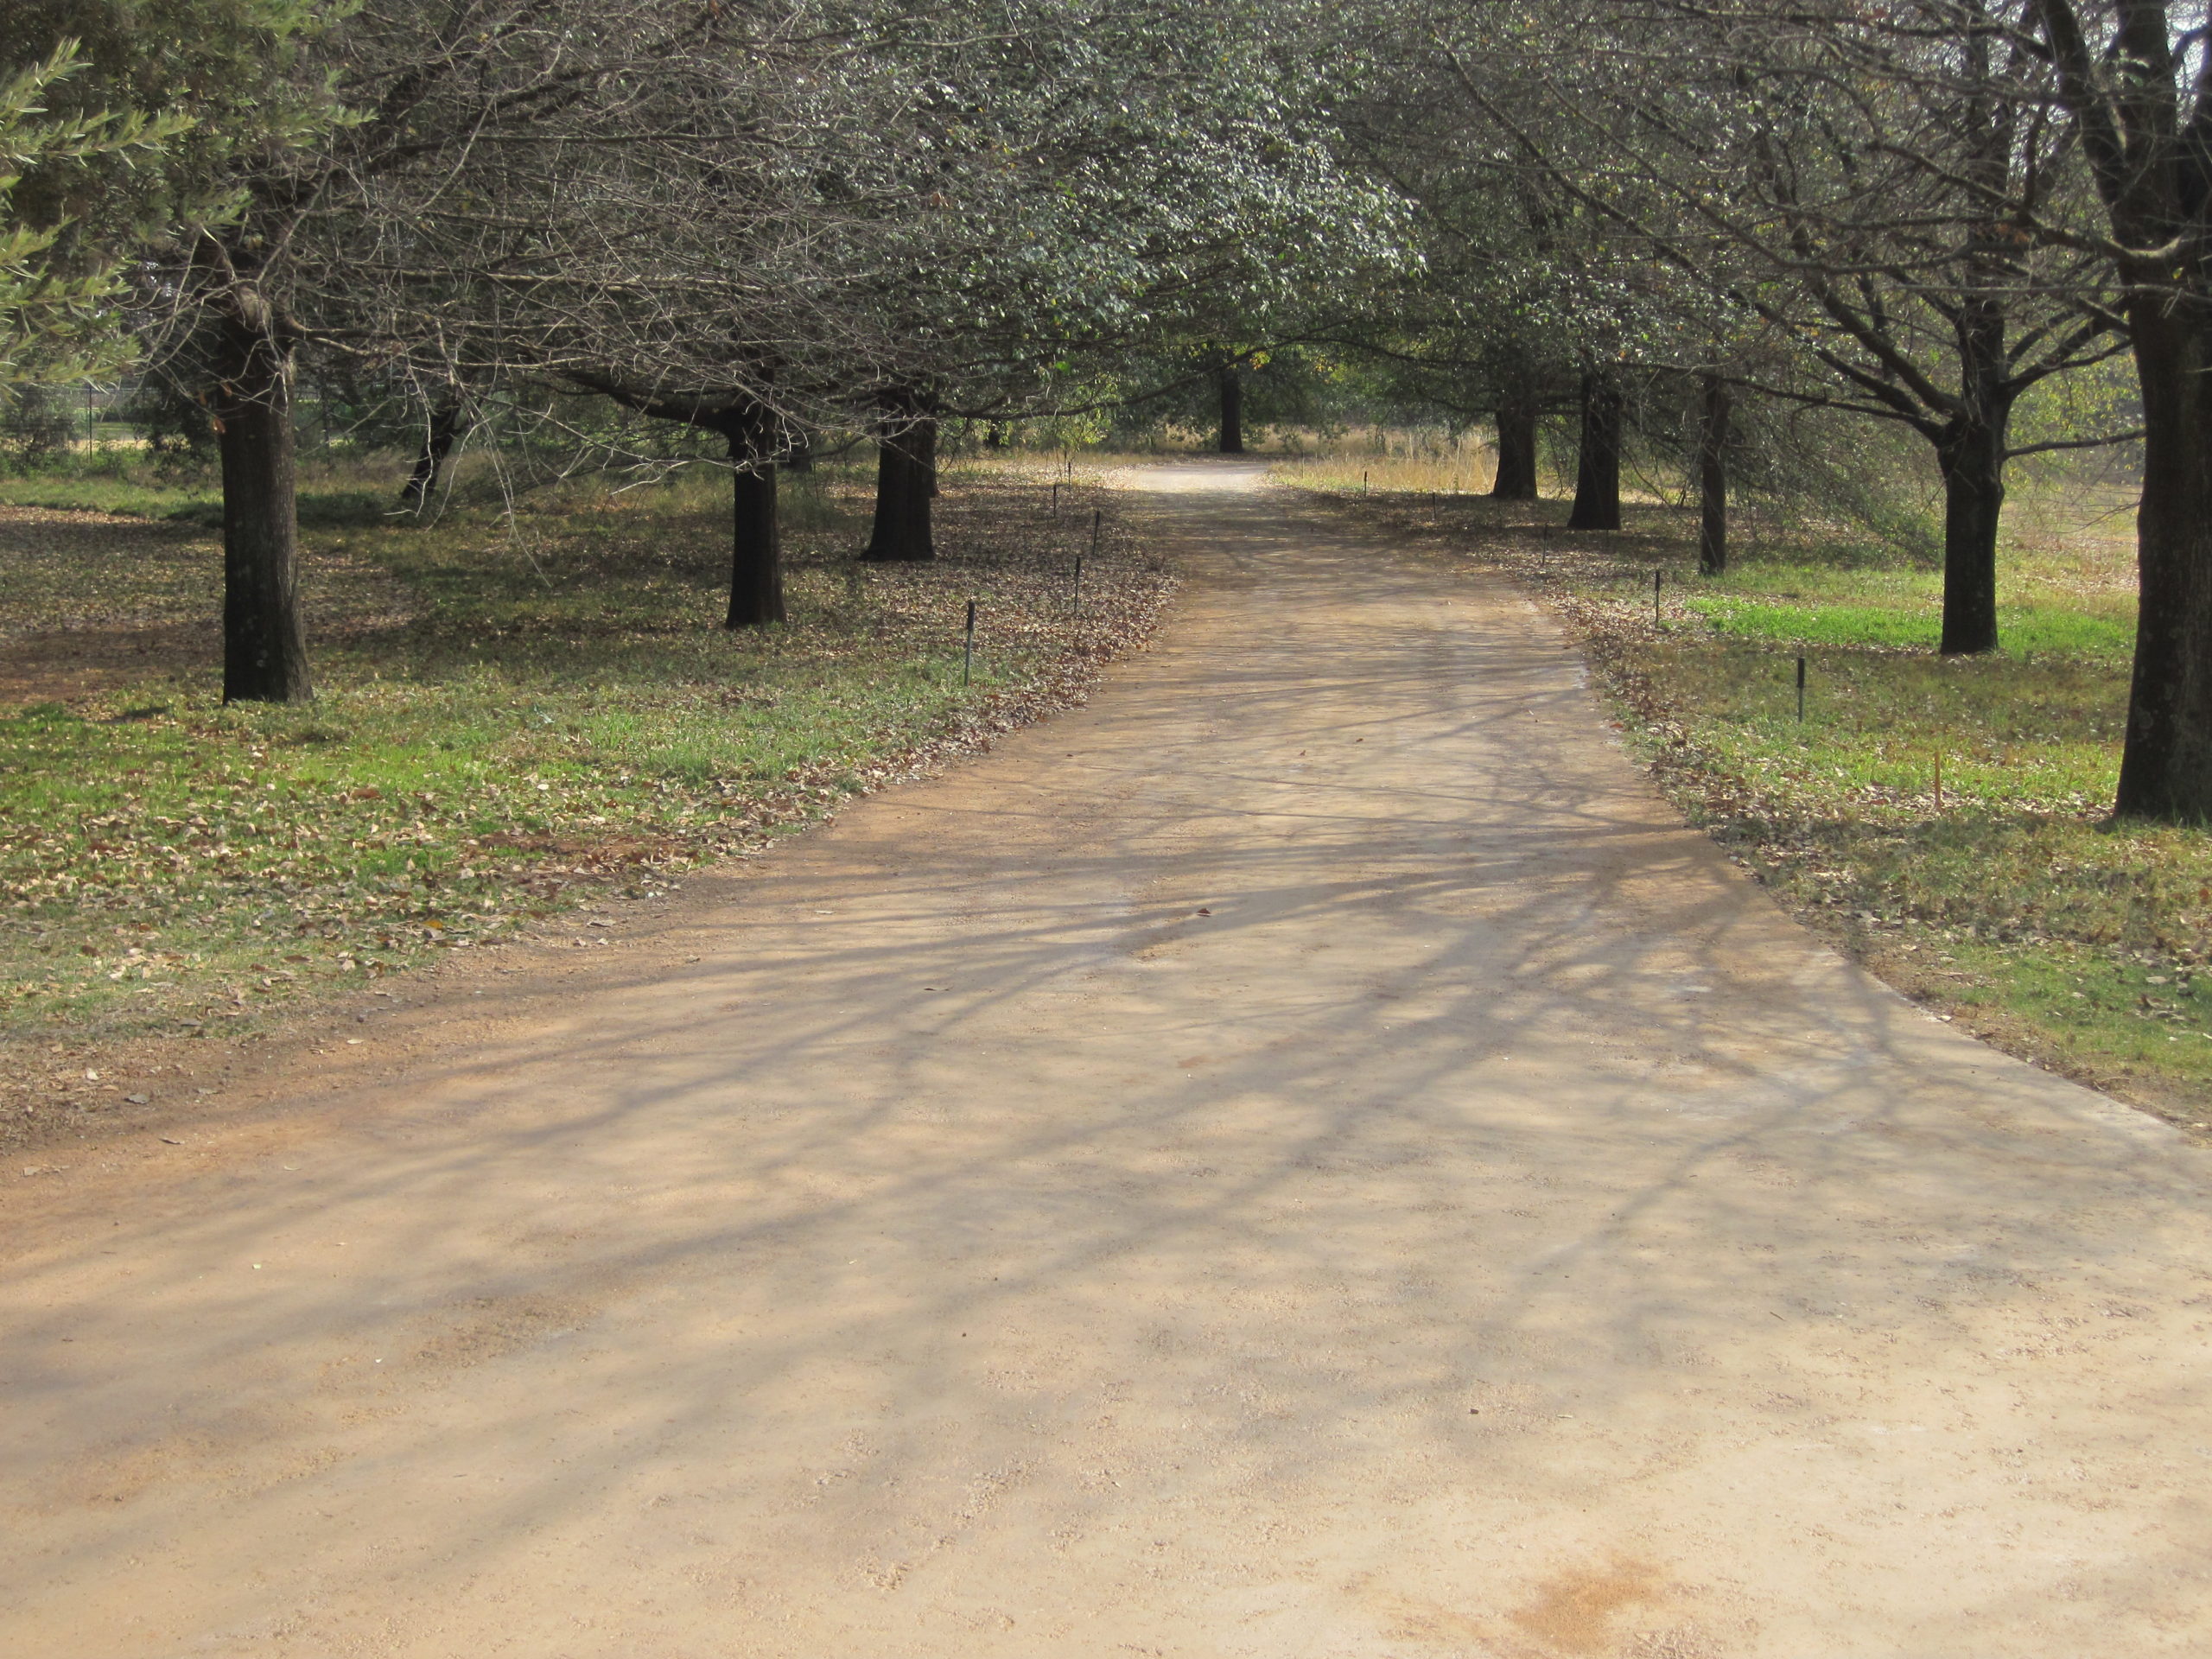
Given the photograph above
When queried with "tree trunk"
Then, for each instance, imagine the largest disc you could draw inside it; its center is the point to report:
(2149, 163)
(1516, 454)
(1970, 455)
(264, 648)
(993, 435)
(437, 444)
(1972, 462)
(1597, 459)
(2165, 769)
(906, 479)
(1713, 479)
(756, 563)
(1232, 411)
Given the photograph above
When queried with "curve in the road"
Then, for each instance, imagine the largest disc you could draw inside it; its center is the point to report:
(1304, 1156)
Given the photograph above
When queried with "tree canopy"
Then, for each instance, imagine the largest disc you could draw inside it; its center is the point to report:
(778, 218)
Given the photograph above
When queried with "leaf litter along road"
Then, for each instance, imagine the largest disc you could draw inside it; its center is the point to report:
(1489, 1228)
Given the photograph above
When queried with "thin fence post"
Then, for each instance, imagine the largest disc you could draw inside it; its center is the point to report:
(1801, 690)
(968, 647)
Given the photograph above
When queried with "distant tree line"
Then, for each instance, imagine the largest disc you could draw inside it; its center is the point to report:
(757, 221)
(769, 221)
(1917, 213)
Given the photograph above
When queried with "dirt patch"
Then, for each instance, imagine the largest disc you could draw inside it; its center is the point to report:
(97, 600)
(72, 666)
(1573, 1612)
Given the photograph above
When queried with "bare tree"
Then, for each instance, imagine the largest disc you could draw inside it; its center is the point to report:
(2134, 79)
(1832, 178)
(378, 243)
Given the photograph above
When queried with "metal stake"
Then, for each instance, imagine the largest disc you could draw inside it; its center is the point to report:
(968, 646)
(1801, 690)
(1056, 501)
(1657, 577)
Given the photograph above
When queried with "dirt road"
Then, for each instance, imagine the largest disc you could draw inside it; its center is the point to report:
(1303, 1157)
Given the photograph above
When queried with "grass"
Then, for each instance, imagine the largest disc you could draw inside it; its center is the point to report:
(112, 485)
(2027, 632)
(515, 714)
(2010, 902)
(1382, 461)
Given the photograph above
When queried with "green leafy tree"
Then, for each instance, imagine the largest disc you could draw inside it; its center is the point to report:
(60, 281)
(1133, 194)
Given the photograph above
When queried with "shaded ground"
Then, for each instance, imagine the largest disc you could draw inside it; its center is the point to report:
(63, 634)
(1306, 1155)
(2006, 898)
(517, 715)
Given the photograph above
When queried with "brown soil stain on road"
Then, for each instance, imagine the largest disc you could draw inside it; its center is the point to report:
(1304, 1156)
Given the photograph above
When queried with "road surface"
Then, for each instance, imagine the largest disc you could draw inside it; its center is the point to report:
(1303, 1157)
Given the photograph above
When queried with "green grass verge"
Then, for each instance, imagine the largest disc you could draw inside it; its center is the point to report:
(2011, 903)
(144, 497)
(2027, 632)
(514, 712)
